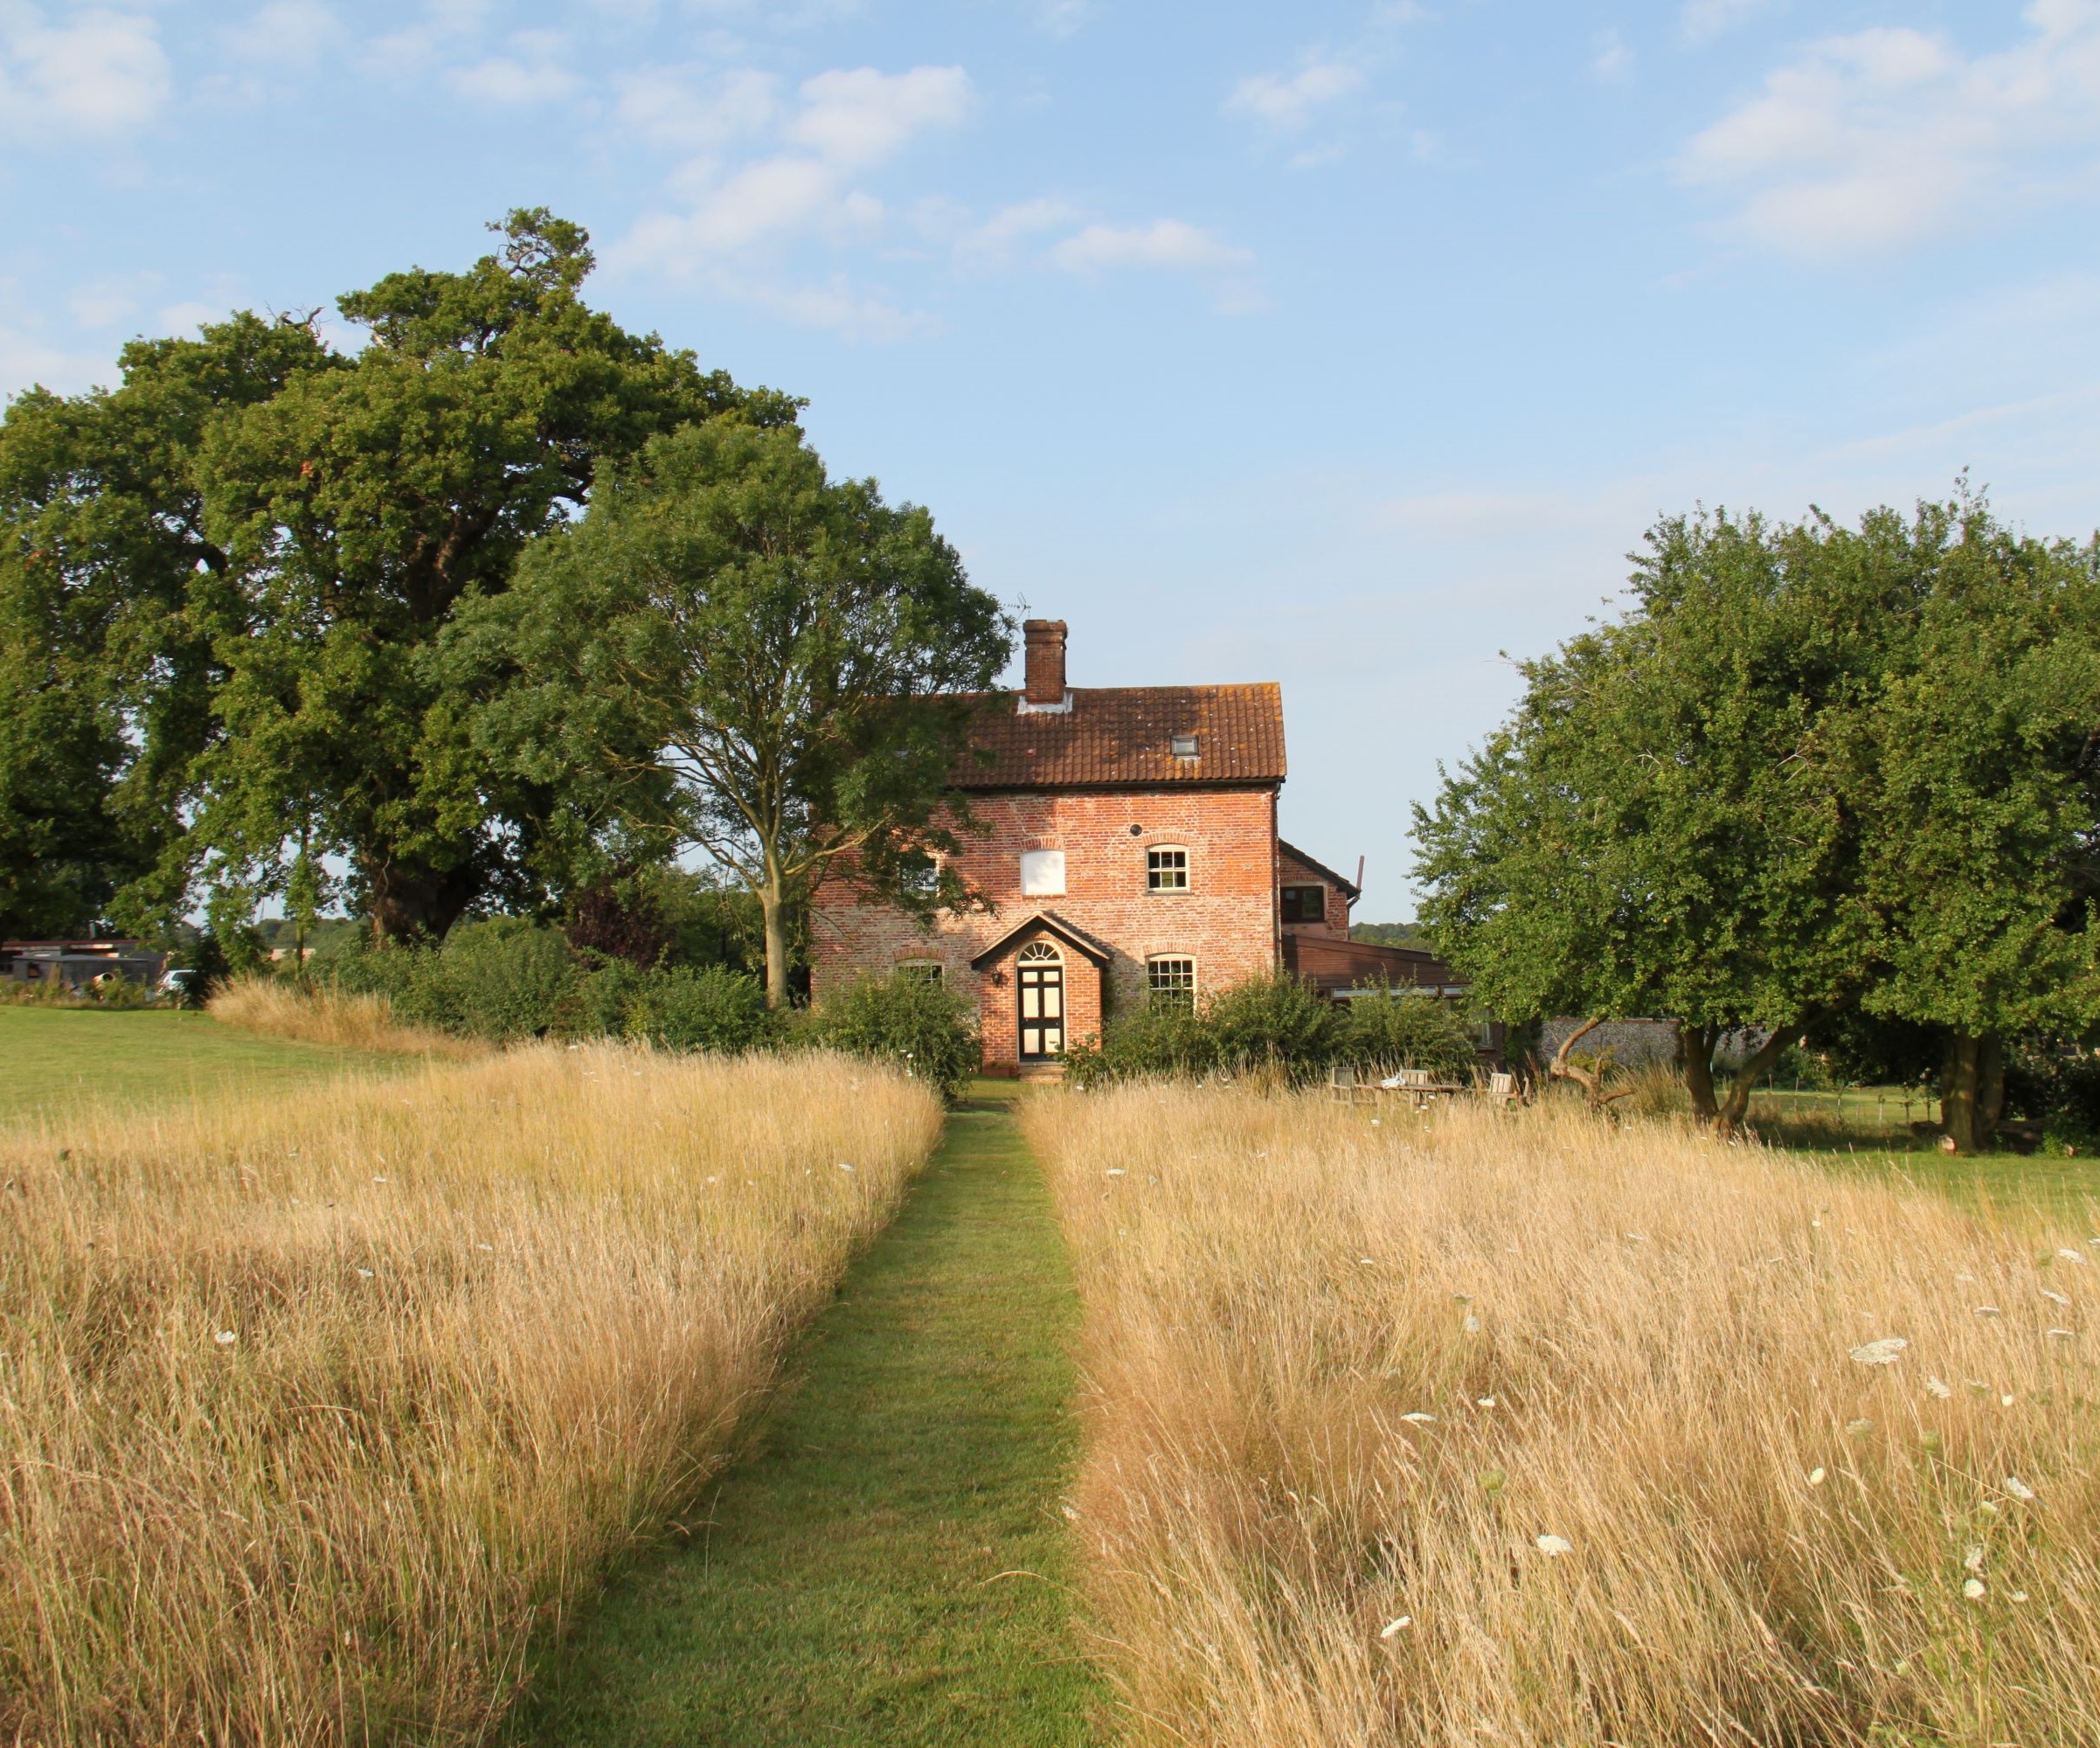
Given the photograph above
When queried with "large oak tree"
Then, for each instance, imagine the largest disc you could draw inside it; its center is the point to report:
(239, 562)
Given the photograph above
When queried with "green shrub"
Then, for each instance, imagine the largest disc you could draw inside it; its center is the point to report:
(906, 1019)
(1278, 1023)
(601, 1002)
(1166, 1040)
(506, 978)
(1399, 1028)
(699, 1008)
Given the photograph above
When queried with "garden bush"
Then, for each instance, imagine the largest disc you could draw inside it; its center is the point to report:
(1278, 1022)
(1400, 1028)
(704, 1007)
(906, 1019)
(1166, 1040)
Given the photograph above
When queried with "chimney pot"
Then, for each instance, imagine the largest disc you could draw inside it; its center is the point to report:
(1044, 640)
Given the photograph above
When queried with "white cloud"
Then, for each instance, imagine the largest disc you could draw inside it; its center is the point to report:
(101, 72)
(187, 317)
(862, 116)
(1611, 59)
(536, 71)
(1888, 137)
(801, 188)
(1064, 17)
(1287, 105)
(994, 242)
(293, 33)
(1702, 18)
(688, 109)
(1166, 243)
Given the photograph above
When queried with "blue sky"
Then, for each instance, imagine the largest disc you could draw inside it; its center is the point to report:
(1344, 345)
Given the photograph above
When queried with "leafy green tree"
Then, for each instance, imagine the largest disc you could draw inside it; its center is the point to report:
(359, 507)
(1664, 826)
(1977, 765)
(105, 681)
(740, 654)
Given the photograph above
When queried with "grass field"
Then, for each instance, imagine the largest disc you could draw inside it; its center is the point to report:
(321, 1411)
(888, 1567)
(1523, 1429)
(52, 1060)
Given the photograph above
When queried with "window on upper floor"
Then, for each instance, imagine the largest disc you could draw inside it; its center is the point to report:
(1171, 977)
(1166, 870)
(919, 872)
(1042, 873)
(1305, 904)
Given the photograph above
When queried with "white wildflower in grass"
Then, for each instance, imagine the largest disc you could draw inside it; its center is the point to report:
(1988, 1311)
(366, 1274)
(1471, 1325)
(1966, 1280)
(1393, 1627)
(1973, 1589)
(844, 1167)
(2071, 1255)
(1117, 1171)
(2006, 1401)
(1418, 1418)
(1936, 1387)
(1884, 1352)
(1817, 1476)
(1365, 1262)
(2017, 1488)
(2055, 1297)
(1554, 1546)
(378, 1180)
(1483, 1402)
(485, 1247)
(225, 1338)
(2017, 1595)
(1973, 1560)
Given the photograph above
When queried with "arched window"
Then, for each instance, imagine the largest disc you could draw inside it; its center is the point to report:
(1036, 951)
(1167, 869)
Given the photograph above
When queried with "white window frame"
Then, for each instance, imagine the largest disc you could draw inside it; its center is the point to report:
(1042, 873)
(1155, 989)
(1152, 870)
(935, 971)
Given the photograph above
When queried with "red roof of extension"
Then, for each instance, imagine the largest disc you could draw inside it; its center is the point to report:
(1121, 737)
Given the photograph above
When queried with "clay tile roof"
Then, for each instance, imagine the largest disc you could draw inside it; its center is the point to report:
(1122, 737)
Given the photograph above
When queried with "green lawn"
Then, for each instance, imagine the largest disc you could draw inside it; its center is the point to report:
(888, 1565)
(54, 1058)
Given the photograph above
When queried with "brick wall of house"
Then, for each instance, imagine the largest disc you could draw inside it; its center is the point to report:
(1293, 872)
(1226, 921)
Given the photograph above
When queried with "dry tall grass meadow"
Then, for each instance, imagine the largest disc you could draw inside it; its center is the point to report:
(1513, 1428)
(319, 1410)
(326, 1014)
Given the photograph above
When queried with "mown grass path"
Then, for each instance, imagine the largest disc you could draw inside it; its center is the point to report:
(888, 1565)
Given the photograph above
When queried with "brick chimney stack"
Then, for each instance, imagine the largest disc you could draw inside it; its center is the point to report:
(1045, 643)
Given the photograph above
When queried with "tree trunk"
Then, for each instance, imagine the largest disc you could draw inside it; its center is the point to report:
(1697, 1045)
(1990, 1086)
(407, 902)
(773, 905)
(1957, 1099)
(1731, 1114)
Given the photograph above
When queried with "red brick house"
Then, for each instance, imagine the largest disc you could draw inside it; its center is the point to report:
(1129, 847)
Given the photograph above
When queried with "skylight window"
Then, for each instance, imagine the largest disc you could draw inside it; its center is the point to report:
(1184, 746)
